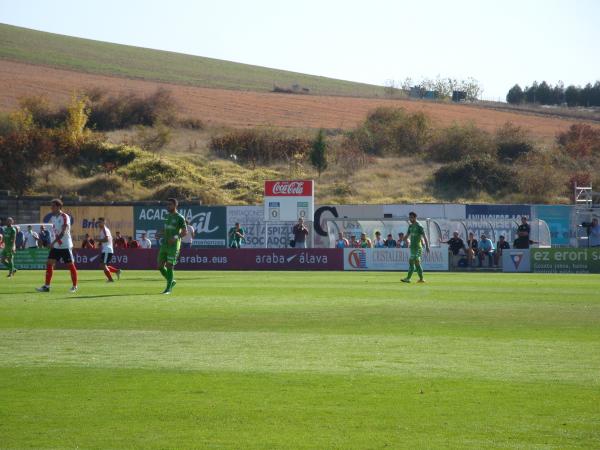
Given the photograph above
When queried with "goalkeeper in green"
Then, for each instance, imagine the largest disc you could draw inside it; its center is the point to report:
(174, 230)
(8, 252)
(416, 234)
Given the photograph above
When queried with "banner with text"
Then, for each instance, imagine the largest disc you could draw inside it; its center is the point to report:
(565, 260)
(209, 223)
(392, 259)
(84, 220)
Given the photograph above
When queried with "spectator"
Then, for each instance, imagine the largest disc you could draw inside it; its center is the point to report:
(501, 245)
(88, 242)
(20, 239)
(31, 238)
(188, 239)
(132, 243)
(300, 233)
(486, 248)
(524, 230)
(341, 241)
(44, 236)
(594, 239)
(471, 248)
(378, 242)
(236, 236)
(390, 242)
(365, 242)
(119, 241)
(523, 242)
(455, 244)
(144, 242)
(401, 243)
(353, 242)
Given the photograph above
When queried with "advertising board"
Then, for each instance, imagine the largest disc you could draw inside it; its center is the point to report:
(565, 260)
(392, 259)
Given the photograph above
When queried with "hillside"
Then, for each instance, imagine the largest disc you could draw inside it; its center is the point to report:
(85, 55)
(244, 109)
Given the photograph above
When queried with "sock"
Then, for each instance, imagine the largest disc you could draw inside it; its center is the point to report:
(112, 269)
(411, 269)
(73, 271)
(107, 273)
(163, 272)
(420, 271)
(49, 271)
(170, 275)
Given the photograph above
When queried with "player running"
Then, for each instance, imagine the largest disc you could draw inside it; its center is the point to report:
(416, 234)
(174, 230)
(8, 252)
(107, 251)
(61, 248)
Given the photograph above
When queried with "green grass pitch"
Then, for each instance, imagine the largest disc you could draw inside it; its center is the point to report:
(301, 360)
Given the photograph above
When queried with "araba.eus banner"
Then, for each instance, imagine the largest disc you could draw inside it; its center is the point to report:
(209, 222)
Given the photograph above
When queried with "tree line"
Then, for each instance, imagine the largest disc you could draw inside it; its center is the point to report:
(545, 94)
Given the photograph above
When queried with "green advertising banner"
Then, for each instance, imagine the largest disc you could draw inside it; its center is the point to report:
(34, 258)
(209, 222)
(565, 260)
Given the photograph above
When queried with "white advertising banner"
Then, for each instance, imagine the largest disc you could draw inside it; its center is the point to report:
(381, 259)
(252, 220)
(515, 260)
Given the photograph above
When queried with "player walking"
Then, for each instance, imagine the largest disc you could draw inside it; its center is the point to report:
(107, 251)
(61, 248)
(174, 230)
(416, 234)
(8, 252)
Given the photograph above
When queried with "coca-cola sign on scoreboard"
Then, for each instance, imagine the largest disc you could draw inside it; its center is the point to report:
(296, 188)
(288, 200)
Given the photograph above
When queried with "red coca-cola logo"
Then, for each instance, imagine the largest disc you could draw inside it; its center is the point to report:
(288, 188)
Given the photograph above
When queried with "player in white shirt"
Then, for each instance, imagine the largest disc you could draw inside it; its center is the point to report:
(107, 251)
(61, 248)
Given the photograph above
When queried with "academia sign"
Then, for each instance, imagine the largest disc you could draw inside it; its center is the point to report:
(565, 260)
(392, 259)
(209, 222)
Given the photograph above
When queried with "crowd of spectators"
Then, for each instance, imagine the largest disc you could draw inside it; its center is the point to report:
(365, 242)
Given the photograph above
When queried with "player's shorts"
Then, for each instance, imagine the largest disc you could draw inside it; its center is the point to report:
(7, 253)
(61, 254)
(416, 253)
(106, 258)
(168, 253)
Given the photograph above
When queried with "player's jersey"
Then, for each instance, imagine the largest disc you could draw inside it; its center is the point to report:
(174, 222)
(10, 235)
(58, 221)
(415, 233)
(107, 247)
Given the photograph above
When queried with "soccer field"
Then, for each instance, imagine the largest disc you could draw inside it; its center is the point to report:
(301, 360)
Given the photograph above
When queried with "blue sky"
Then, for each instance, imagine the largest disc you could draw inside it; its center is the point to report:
(498, 43)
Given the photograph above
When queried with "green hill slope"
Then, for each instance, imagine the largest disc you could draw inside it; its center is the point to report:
(37, 47)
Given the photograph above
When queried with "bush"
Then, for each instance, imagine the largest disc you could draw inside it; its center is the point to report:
(580, 141)
(43, 115)
(100, 157)
(538, 178)
(102, 186)
(186, 192)
(391, 131)
(473, 175)
(512, 142)
(191, 124)
(260, 146)
(459, 142)
(153, 139)
(124, 111)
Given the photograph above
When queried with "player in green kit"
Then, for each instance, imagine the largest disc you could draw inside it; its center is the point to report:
(174, 230)
(8, 252)
(416, 234)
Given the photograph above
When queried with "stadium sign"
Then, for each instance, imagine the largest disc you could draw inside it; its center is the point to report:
(84, 220)
(288, 200)
(516, 260)
(382, 259)
(565, 260)
(208, 221)
(31, 258)
(215, 259)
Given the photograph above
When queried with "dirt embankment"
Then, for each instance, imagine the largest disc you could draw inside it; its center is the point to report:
(242, 109)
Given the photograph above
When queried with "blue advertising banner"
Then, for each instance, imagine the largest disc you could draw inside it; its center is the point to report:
(558, 218)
